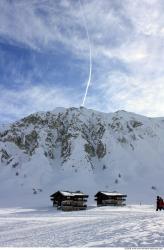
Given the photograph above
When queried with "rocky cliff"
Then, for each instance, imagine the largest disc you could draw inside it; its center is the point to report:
(77, 148)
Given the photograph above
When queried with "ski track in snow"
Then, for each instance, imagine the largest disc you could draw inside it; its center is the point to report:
(131, 226)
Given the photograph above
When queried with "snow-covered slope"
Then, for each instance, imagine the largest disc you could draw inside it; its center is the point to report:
(81, 149)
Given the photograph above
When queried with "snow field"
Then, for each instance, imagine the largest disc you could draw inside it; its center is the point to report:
(130, 226)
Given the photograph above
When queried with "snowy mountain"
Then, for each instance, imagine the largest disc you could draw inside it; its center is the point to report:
(81, 149)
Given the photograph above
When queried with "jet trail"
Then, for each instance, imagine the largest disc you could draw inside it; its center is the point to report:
(90, 54)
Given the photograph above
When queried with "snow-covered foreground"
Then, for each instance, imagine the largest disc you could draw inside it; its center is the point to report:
(130, 226)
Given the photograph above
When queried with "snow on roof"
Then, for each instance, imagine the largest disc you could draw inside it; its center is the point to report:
(114, 193)
(67, 193)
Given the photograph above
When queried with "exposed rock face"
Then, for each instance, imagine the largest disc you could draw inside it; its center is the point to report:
(60, 130)
(115, 147)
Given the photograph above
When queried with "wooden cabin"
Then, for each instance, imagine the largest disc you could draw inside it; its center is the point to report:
(69, 201)
(114, 198)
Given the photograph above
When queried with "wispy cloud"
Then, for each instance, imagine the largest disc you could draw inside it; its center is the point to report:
(127, 46)
(16, 103)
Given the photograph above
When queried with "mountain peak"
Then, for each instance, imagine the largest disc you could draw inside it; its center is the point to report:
(83, 149)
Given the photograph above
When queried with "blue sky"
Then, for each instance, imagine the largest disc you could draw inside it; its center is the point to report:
(44, 56)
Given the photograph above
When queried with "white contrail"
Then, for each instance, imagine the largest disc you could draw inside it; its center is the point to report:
(90, 54)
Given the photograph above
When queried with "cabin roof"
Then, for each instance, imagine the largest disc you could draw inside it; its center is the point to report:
(114, 193)
(68, 193)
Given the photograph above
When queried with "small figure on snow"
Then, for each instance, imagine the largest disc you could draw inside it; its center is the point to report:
(160, 203)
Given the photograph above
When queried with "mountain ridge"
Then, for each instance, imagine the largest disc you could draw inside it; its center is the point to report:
(79, 148)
